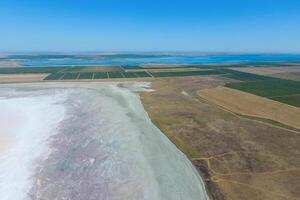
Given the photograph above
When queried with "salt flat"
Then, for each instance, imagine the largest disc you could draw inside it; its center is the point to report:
(87, 141)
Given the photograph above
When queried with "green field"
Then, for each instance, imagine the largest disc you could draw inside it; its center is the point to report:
(186, 73)
(86, 75)
(115, 75)
(285, 91)
(100, 75)
(54, 76)
(142, 74)
(242, 76)
(30, 70)
(70, 76)
(293, 100)
(130, 75)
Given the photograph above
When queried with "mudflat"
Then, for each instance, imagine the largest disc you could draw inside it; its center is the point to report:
(87, 141)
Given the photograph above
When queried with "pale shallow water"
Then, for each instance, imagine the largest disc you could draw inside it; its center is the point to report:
(89, 141)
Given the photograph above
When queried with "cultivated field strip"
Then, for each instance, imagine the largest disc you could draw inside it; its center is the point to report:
(120, 74)
(243, 103)
(285, 91)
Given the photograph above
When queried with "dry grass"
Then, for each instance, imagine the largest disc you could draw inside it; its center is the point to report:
(295, 76)
(252, 105)
(8, 78)
(239, 159)
(268, 70)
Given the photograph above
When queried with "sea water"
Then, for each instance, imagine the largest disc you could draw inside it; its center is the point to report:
(172, 59)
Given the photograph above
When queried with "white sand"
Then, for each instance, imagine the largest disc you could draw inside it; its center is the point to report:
(26, 123)
(106, 147)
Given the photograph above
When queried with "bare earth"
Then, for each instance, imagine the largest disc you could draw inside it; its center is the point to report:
(7, 78)
(252, 105)
(268, 70)
(8, 63)
(239, 158)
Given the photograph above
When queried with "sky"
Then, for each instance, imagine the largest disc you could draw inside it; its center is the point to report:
(270, 26)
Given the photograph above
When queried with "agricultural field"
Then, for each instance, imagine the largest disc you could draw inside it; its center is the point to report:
(70, 76)
(286, 72)
(295, 76)
(30, 70)
(291, 99)
(86, 75)
(252, 105)
(82, 69)
(100, 75)
(186, 73)
(243, 76)
(54, 76)
(285, 91)
(115, 75)
(143, 74)
(129, 74)
(269, 70)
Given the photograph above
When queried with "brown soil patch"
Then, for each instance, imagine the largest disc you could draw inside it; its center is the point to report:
(252, 105)
(8, 78)
(238, 158)
(8, 64)
(295, 76)
(268, 70)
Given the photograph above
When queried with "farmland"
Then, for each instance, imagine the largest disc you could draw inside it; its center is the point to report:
(132, 74)
(30, 70)
(243, 76)
(243, 103)
(282, 90)
(285, 91)
(186, 73)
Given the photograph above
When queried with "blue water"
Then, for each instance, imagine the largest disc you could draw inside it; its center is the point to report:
(203, 59)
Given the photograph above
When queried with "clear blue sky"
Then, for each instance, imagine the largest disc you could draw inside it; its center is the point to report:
(152, 25)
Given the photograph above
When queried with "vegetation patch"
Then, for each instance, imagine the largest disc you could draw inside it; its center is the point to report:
(130, 75)
(186, 73)
(30, 70)
(100, 75)
(293, 100)
(54, 76)
(285, 91)
(70, 76)
(243, 76)
(142, 74)
(115, 75)
(86, 75)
